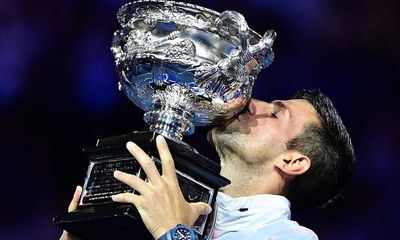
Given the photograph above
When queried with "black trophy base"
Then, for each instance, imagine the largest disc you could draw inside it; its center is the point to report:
(98, 217)
(108, 221)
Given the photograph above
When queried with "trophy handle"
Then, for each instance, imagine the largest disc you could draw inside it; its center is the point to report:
(265, 44)
(116, 44)
(231, 23)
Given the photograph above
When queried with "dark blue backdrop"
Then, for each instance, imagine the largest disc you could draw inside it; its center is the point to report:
(58, 92)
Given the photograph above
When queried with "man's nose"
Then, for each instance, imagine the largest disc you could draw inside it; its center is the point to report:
(257, 107)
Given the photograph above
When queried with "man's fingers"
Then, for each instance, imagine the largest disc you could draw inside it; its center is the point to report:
(145, 161)
(126, 198)
(167, 162)
(72, 206)
(201, 208)
(75, 199)
(132, 181)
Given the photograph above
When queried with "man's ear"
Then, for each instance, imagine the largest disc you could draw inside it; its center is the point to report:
(293, 163)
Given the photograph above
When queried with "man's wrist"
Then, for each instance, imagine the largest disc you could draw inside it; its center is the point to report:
(180, 232)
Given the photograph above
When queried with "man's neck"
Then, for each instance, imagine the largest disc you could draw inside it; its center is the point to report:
(248, 180)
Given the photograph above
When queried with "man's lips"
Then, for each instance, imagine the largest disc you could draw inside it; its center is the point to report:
(246, 110)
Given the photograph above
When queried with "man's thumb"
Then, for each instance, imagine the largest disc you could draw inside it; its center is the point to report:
(202, 208)
(75, 199)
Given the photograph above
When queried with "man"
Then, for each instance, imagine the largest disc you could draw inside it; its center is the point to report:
(295, 151)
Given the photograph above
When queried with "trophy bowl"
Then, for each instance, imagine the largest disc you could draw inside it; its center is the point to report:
(185, 65)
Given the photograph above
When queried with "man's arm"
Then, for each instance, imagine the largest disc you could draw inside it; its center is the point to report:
(161, 204)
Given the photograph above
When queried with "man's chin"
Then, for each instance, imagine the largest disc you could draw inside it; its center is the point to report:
(217, 131)
(224, 125)
(227, 128)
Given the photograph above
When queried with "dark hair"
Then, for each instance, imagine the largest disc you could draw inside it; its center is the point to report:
(329, 148)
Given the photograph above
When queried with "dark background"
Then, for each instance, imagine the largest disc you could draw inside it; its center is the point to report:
(58, 93)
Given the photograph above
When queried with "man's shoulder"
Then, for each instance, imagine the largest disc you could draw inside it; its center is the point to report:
(298, 233)
(279, 230)
(292, 230)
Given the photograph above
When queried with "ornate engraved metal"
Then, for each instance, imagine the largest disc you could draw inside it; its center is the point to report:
(185, 65)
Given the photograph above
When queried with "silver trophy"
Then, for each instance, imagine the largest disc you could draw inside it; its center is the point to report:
(185, 66)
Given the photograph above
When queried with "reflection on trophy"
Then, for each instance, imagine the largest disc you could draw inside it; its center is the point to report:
(185, 66)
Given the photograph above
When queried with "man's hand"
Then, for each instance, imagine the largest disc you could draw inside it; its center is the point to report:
(72, 206)
(160, 203)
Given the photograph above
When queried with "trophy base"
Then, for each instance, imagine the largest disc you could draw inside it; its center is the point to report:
(98, 217)
(108, 221)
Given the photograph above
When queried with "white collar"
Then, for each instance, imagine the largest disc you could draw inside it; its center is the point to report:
(255, 212)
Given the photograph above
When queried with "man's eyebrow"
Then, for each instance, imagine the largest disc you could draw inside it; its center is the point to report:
(281, 104)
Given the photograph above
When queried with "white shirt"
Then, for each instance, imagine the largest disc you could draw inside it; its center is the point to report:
(267, 217)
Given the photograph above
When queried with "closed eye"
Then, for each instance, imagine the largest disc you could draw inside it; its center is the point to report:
(273, 114)
(278, 106)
